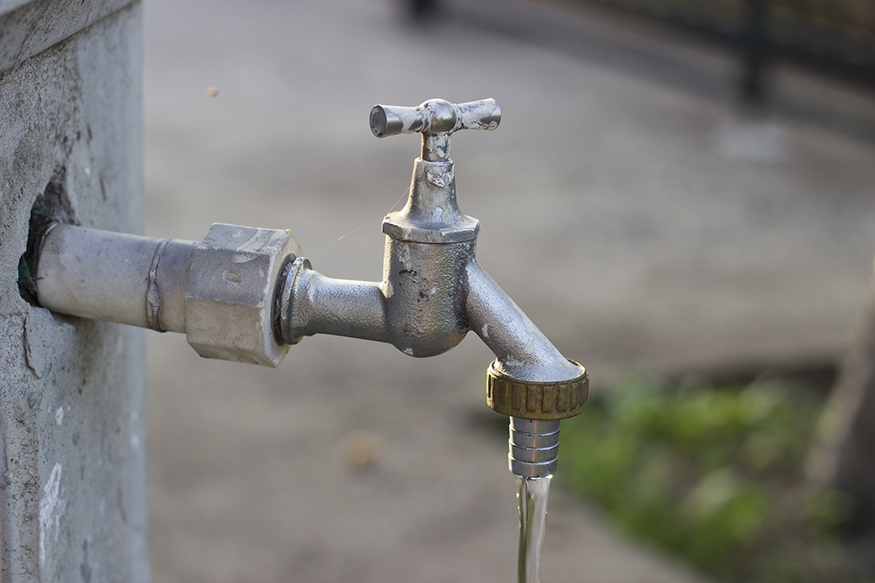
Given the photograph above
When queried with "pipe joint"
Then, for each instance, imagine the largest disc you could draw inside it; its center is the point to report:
(220, 291)
(310, 303)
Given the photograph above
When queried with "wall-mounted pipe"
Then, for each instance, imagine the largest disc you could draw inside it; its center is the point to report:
(246, 294)
(220, 291)
(116, 277)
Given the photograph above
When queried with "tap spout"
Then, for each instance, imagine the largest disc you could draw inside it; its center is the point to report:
(522, 351)
(529, 380)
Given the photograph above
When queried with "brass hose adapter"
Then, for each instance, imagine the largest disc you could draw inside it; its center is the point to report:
(535, 409)
(534, 400)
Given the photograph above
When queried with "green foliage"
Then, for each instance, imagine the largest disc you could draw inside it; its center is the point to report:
(712, 474)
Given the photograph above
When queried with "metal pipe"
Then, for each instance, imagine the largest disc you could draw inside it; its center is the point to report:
(168, 279)
(221, 291)
(314, 304)
(117, 277)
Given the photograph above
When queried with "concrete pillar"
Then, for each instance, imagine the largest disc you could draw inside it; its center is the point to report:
(72, 431)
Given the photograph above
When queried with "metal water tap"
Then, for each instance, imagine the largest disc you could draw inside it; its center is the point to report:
(433, 292)
(246, 294)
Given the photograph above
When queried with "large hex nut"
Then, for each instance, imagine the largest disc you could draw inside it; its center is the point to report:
(229, 298)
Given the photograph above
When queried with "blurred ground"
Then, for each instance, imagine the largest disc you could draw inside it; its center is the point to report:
(628, 205)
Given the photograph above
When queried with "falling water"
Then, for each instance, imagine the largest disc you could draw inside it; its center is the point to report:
(532, 494)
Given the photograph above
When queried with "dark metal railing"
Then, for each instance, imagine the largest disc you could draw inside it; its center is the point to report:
(835, 35)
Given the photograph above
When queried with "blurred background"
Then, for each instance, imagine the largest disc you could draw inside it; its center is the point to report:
(679, 196)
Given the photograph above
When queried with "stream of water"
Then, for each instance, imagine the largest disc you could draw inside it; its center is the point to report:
(532, 495)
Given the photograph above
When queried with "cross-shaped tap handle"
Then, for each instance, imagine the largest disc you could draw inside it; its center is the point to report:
(435, 119)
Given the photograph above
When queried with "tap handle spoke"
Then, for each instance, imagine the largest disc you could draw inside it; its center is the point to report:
(434, 117)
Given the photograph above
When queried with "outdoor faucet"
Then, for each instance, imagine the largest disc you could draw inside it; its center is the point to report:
(246, 294)
(434, 291)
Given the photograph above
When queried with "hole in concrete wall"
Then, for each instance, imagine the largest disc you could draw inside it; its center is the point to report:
(52, 206)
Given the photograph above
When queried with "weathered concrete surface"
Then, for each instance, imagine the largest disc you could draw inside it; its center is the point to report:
(620, 209)
(32, 27)
(72, 430)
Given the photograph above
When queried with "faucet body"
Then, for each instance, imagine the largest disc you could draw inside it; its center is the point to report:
(432, 293)
(419, 306)
(246, 294)
(430, 297)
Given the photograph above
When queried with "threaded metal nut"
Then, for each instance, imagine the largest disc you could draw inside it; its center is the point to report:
(536, 400)
(229, 299)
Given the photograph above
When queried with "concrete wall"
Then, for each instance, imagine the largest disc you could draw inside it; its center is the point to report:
(72, 433)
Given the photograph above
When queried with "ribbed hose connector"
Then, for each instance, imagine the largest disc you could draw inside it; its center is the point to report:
(535, 409)
(534, 447)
